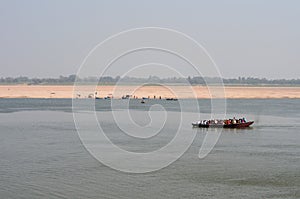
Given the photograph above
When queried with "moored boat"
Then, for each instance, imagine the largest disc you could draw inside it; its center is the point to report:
(172, 99)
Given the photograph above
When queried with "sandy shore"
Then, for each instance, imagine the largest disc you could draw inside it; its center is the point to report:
(53, 91)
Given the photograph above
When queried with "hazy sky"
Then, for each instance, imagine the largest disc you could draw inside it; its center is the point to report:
(244, 37)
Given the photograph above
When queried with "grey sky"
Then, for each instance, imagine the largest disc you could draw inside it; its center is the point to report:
(245, 38)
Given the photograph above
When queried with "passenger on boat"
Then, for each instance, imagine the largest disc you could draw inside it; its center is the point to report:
(244, 120)
(234, 120)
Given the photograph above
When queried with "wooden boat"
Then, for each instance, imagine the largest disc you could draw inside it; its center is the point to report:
(126, 97)
(172, 99)
(233, 125)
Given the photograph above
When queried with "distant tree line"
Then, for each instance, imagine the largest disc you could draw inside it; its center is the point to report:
(151, 79)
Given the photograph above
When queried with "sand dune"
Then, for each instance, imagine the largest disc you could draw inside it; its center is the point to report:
(54, 91)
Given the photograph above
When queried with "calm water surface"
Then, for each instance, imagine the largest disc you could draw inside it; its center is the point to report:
(41, 155)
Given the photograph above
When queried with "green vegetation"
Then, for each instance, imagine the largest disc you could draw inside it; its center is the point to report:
(107, 80)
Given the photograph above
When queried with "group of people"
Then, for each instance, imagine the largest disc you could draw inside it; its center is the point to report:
(235, 121)
(223, 122)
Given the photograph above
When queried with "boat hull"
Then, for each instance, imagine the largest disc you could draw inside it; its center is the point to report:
(237, 125)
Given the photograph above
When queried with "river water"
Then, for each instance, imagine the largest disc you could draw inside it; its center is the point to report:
(41, 155)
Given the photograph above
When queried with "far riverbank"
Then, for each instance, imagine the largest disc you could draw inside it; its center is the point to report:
(169, 91)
